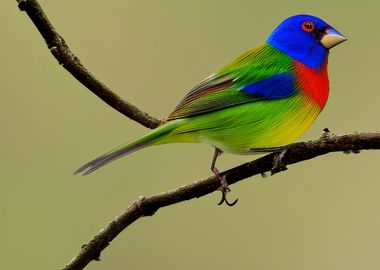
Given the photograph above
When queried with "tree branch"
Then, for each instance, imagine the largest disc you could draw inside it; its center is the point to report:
(72, 64)
(295, 153)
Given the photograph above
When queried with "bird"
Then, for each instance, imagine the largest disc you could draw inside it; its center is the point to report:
(262, 101)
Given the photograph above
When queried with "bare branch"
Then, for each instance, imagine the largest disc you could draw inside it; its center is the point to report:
(71, 63)
(295, 153)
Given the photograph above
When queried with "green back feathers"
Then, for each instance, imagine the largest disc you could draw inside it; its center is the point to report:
(223, 89)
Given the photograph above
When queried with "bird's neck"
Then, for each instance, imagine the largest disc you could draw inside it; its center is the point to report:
(312, 55)
(313, 82)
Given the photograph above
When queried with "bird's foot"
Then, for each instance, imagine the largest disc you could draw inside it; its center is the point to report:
(225, 189)
(222, 179)
(278, 164)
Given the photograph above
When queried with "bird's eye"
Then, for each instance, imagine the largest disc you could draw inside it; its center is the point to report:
(308, 26)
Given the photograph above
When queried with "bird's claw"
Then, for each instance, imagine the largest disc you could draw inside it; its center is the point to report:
(224, 197)
(225, 189)
(222, 179)
(278, 164)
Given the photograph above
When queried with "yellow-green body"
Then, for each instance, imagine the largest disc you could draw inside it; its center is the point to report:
(243, 128)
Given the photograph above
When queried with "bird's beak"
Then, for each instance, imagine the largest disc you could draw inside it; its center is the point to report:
(332, 38)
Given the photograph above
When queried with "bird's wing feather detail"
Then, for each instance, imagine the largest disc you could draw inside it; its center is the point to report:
(262, 73)
(277, 86)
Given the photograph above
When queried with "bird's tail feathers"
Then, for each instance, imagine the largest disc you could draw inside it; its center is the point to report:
(150, 138)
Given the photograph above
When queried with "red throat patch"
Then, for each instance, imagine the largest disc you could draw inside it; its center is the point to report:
(313, 82)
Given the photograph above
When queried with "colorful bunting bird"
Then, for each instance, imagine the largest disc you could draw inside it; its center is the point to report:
(260, 102)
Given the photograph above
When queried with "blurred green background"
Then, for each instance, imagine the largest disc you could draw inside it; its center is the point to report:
(320, 214)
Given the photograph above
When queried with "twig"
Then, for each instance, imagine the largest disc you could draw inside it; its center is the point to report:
(295, 153)
(71, 63)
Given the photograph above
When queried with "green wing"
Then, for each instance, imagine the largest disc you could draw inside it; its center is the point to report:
(261, 73)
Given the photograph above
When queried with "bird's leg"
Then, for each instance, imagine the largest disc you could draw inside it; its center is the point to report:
(224, 185)
(278, 165)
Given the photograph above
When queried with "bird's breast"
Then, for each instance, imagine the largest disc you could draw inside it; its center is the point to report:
(313, 82)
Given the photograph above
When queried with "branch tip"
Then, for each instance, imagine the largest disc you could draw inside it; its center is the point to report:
(21, 4)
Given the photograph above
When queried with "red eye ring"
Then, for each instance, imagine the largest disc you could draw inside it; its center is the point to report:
(308, 26)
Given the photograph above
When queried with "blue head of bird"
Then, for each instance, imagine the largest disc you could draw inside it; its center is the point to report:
(305, 38)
